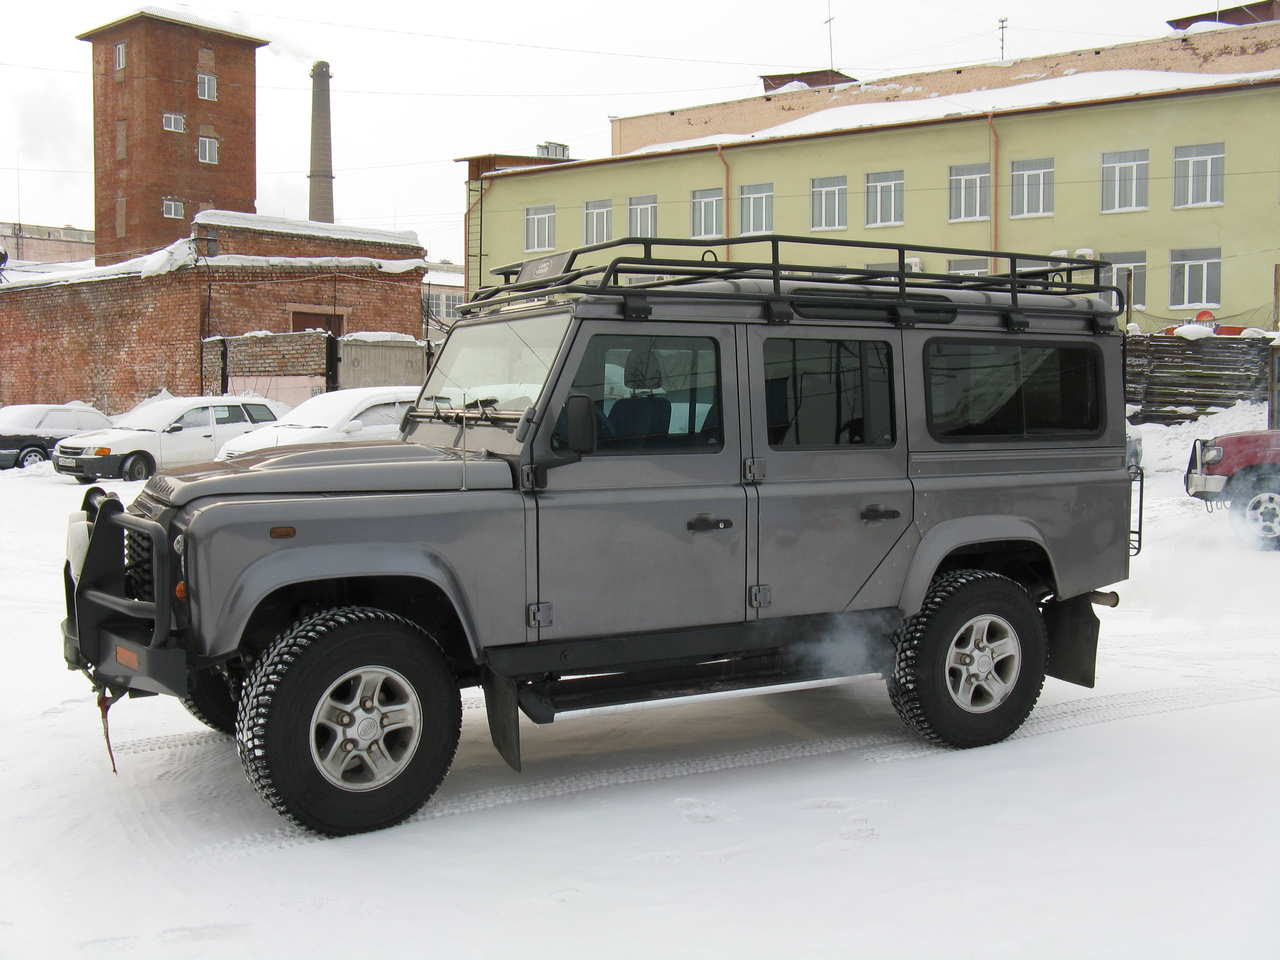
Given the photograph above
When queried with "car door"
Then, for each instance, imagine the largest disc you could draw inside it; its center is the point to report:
(189, 439)
(830, 448)
(649, 531)
(229, 422)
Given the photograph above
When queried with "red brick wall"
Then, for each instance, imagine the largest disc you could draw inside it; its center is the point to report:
(265, 243)
(282, 355)
(160, 77)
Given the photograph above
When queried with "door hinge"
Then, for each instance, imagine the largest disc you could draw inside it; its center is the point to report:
(753, 469)
(539, 615)
(533, 476)
(759, 596)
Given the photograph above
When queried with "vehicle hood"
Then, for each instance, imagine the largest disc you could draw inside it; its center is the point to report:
(111, 437)
(264, 438)
(1255, 437)
(334, 468)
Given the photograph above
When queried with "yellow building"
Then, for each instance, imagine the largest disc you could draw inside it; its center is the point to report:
(1174, 176)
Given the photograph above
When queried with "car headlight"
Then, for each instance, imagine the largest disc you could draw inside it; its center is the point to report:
(1210, 455)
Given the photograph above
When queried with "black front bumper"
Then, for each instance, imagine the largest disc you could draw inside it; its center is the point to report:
(93, 467)
(122, 641)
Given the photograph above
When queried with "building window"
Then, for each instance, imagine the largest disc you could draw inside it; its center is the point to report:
(756, 200)
(708, 213)
(1195, 277)
(121, 55)
(174, 210)
(207, 148)
(539, 228)
(175, 122)
(1124, 180)
(1123, 266)
(206, 86)
(1197, 175)
(970, 189)
(885, 198)
(969, 267)
(444, 306)
(829, 203)
(642, 216)
(597, 226)
(1032, 188)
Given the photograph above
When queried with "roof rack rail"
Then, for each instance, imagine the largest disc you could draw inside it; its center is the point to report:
(898, 287)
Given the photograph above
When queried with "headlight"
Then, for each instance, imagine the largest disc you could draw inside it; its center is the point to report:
(102, 452)
(179, 544)
(1211, 455)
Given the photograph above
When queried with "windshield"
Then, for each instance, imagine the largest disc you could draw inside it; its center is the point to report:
(23, 416)
(154, 416)
(502, 365)
(322, 410)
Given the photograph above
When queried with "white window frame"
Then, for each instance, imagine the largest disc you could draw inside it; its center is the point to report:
(597, 221)
(707, 207)
(1122, 264)
(539, 228)
(755, 203)
(207, 86)
(122, 55)
(886, 199)
(829, 203)
(1129, 176)
(173, 209)
(1032, 188)
(1198, 171)
(174, 122)
(969, 182)
(1195, 267)
(207, 149)
(969, 267)
(642, 216)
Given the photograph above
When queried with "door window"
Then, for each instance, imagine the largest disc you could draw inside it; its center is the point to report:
(229, 414)
(382, 414)
(59, 420)
(651, 394)
(192, 419)
(828, 393)
(259, 412)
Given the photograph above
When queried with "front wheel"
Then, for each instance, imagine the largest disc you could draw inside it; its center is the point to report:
(349, 721)
(1255, 512)
(970, 665)
(137, 466)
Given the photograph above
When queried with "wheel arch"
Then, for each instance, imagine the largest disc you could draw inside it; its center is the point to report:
(1246, 477)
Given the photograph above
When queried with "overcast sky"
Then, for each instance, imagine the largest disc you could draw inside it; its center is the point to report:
(418, 84)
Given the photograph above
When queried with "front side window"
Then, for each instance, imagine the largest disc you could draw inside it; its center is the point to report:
(206, 86)
(1195, 277)
(60, 420)
(828, 393)
(175, 122)
(207, 149)
(381, 414)
(1032, 188)
(121, 55)
(173, 209)
(652, 393)
(757, 207)
(642, 216)
(970, 192)
(1124, 180)
(1197, 175)
(1124, 266)
(598, 222)
(540, 228)
(829, 203)
(193, 419)
(886, 196)
(708, 213)
(1011, 391)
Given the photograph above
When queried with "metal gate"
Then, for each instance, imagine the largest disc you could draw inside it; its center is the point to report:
(381, 363)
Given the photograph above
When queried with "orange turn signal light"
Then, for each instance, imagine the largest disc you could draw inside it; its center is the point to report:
(102, 452)
(282, 533)
(180, 590)
(126, 658)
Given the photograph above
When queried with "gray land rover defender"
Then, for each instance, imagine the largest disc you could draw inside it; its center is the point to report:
(633, 476)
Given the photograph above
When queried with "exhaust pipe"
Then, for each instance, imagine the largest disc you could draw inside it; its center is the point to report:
(1107, 598)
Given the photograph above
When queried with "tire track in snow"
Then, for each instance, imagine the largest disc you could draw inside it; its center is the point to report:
(873, 748)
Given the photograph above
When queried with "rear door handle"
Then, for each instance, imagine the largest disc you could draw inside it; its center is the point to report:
(705, 521)
(877, 512)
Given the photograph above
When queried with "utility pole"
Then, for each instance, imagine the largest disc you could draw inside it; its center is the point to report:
(831, 56)
(1275, 297)
(1004, 21)
(1128, 298)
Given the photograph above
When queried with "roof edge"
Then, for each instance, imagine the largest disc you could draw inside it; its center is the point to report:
(176, 19)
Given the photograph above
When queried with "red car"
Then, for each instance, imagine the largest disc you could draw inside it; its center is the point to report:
(1242, 469)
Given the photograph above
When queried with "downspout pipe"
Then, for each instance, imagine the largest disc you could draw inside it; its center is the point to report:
(995, 185)
(728, 186)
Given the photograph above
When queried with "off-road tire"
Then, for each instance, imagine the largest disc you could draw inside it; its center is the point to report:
(274, 733)
(30, 456)
(137, 466)
(1256, 493)
(211, 699)
(918, 682)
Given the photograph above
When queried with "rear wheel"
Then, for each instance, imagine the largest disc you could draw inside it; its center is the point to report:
(970, 665)
(31, 456)
(349, 721)
(137, 466)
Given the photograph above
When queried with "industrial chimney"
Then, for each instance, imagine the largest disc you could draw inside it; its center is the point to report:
(320, 206)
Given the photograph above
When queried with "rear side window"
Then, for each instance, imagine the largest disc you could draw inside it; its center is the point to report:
(1012, 391)
(230, 413)
(828, 393)
(382, 414)
(259, 412)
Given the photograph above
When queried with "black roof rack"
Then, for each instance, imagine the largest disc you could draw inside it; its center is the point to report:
(905, 292)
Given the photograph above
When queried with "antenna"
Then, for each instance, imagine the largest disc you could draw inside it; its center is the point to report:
(1004, 22)
(831, 57)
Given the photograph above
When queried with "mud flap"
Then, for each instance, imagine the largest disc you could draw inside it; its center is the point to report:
(504, 721)
(1073, 640)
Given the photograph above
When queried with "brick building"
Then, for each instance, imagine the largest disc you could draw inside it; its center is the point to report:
(174, 114)
(30, 243)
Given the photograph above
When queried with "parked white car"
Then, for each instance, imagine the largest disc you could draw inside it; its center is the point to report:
(159, 436)
(355, 414)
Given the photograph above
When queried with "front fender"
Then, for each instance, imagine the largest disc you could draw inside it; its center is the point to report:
(950, 535)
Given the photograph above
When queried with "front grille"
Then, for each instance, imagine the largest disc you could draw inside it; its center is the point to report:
(70, 451)
(139, 579)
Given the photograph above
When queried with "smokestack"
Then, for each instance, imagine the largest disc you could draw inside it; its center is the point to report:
(320, 206)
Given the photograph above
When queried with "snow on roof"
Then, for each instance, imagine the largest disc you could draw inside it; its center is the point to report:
(444, 278)
(1076, 88)
(173, 16)
(305, 228)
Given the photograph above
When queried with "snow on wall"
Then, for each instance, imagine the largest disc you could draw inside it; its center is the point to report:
(1166, 447)
(304, 228)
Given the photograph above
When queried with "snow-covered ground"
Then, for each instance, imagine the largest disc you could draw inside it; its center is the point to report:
(1137, 819)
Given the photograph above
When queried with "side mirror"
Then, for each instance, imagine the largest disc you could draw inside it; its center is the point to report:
(354, 426)
(580, 423)
(173, 428)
